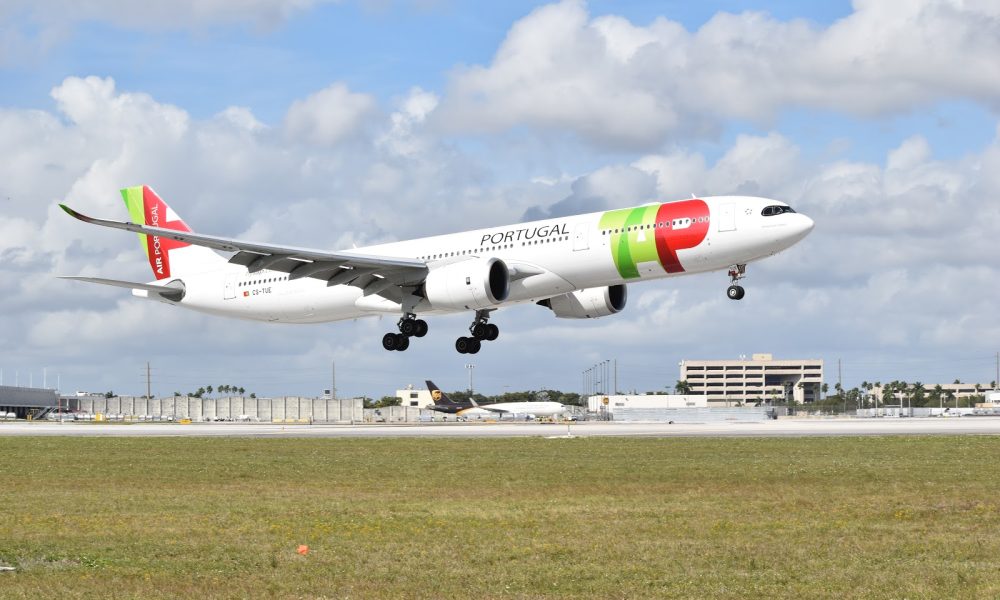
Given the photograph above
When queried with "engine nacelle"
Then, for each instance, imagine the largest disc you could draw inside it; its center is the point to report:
(469, 284)
(590, 303)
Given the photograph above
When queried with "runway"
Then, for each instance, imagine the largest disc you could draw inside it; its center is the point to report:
(779, 428)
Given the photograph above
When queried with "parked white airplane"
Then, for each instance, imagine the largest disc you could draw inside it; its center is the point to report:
(471, 408)
(577, 267)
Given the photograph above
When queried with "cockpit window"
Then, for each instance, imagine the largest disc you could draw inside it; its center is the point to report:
(770, 211)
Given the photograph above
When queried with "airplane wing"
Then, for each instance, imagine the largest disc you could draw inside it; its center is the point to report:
(385, 276)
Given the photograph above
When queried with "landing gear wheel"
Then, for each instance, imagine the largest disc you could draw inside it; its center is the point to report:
(735, 291)
(480, 330)
(492, 332)
(462, 345)
(402, 342)
(474, 346)
(389, 341)
(408, 327)
(421, 328)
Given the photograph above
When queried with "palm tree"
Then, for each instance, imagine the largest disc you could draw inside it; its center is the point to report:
(917, 394)
(682, 387)
(208, 390)
(241, 391)
(938, 393)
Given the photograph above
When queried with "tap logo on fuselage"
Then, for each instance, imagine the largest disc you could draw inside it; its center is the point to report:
(654, 233)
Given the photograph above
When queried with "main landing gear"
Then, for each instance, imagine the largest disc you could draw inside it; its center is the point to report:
(482, 331)
(736, 291)
(409, 326)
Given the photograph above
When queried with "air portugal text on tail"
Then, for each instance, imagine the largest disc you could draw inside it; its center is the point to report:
(146, 208)
(578, 267)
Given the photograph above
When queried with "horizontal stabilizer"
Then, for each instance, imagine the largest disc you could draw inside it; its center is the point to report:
(173, 291)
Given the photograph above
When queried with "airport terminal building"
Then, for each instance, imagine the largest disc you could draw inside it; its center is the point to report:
(24, 401)
(414, 397)
(762, 379)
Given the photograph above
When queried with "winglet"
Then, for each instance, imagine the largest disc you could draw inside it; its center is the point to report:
(74, 214)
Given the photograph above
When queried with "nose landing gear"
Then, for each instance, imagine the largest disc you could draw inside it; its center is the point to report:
(736, 291)
(409, 326)
(482, 331)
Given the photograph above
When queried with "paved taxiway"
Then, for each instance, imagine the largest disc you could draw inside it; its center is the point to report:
(778, 428)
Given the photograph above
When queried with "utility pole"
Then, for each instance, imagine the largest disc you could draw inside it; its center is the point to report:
(333, 380)
(149, 394)
(998, 372)
(840, 379)
(616, 377)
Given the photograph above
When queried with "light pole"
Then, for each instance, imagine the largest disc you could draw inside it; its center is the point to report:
(607, 375)
(470, 367)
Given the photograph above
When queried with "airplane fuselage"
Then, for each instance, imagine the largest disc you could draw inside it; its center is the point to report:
(547, 258)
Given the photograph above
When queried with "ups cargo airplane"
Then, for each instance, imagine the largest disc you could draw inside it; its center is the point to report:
(578, 267)
(471, 408)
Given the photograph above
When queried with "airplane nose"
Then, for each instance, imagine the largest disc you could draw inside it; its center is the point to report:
(809, 224)
(802, 226)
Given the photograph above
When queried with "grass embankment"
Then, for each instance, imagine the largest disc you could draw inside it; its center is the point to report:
(898, 517)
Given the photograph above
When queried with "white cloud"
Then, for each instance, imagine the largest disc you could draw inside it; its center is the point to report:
(328, 116)
(616, 83)
(902, 256)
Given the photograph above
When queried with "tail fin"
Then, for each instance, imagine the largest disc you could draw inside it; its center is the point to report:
(437, 395)
(167, 258)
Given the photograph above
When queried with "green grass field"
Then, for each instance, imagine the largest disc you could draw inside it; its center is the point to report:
(887, 517)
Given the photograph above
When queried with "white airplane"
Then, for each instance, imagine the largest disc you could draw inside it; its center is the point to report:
(578, 267)
(471, 408)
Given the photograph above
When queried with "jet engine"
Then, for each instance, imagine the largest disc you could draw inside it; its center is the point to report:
(590, 303)
(470, 284)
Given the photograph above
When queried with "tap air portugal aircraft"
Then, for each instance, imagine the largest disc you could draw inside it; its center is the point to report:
(578, 267)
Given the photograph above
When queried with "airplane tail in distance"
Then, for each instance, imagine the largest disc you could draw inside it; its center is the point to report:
(168, 258)
(437, 395)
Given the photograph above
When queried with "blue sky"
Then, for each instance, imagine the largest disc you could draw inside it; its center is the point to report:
(322, 123)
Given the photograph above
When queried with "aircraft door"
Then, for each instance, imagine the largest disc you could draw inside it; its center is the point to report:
(580, 237)
(230, 289)
(727, 217)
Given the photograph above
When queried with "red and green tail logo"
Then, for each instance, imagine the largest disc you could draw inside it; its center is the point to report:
(146, 208)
